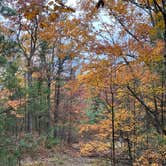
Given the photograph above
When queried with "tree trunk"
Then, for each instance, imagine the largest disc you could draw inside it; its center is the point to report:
(49, 104)
(57, 96)
(113, 129)
(29, 111)
(129, 150)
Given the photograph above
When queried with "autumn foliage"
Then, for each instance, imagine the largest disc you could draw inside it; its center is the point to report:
(94, 76)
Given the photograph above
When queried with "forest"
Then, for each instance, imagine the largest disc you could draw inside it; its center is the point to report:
(82, 83)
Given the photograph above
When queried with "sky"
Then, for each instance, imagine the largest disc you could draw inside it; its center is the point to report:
(71, 3)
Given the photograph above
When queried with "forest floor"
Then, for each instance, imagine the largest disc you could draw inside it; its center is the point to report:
(65, 158)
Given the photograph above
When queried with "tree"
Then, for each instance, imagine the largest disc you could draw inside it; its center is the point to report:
(134, 64)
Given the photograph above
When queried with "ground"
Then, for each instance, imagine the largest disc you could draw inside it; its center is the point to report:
(65, 160)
